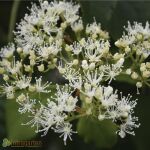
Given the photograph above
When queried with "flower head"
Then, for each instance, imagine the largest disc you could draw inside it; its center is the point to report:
(65, 129)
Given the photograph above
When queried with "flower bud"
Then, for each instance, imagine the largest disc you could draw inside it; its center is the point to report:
(127, 49)
(75, 62)
(142, 67)
(27, 68)
(61, 70)
(45, 3)
(146, 74)
(88, 100)
(85, 64)
(64, 25)
(68, 48)
(148, 65)
(92, 66)
(19, 50)
(32, 88)
(41, 68)
(128, 71)
(51, 39)
(98, 93)
(5, 77)
(139, 37)
(124, 115)
(145, 55)
(139, 84)
(138, 52)
(87, 86)
(134, 75)
(101, 117)
(82, 42)
(21, 98)
(117, 56)
(54, 60)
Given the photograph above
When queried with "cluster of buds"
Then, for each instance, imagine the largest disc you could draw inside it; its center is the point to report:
(136, 47)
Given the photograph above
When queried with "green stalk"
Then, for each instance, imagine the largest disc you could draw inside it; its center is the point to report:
(12, 21)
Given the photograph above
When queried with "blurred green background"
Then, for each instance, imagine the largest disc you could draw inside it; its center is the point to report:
(113, 15)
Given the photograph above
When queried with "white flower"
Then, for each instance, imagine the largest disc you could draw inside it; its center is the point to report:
(76, 83)
(94, 50)
(137, 28)
(41, 88)
(70, 73)
(85, 65)
(93, 77)
(77, 26)
(76, 48)
(47, 121)
(89, 91)
(14, 67)
(48, 50)
(63, 93)
(26, 104)
(125, 104)
(112, 113)
(65, 130)
(64, 99)
(108, 97)
(7, 51)
(23, 82)
(70, 104)
(111, 71)
(69, 11)
(128, 126)
(36, 119)
(125, 41)
(42, 22)
(95, 29)
(9, 90)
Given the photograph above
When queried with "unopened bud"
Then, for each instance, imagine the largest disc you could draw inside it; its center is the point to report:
(41, 68)
(5, 77)
(32, 88)
(134, 75)
(128, 71)
(75, 62)
(19, 49)
(92, 66)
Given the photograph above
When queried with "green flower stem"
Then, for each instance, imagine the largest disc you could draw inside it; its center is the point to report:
(13, 16)
(76, 117)
(148, 84)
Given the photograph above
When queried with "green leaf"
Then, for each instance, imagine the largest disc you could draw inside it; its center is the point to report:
(16, 131)
(125, 78)
(101, 133)
(14, 119)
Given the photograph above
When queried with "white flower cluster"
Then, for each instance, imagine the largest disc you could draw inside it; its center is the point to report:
(135, 44)
(95, 31)
(46, 23)
(95, 70)
(43, 42)
(54, 114)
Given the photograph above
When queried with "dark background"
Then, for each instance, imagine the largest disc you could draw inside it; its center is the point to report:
(113, 15)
